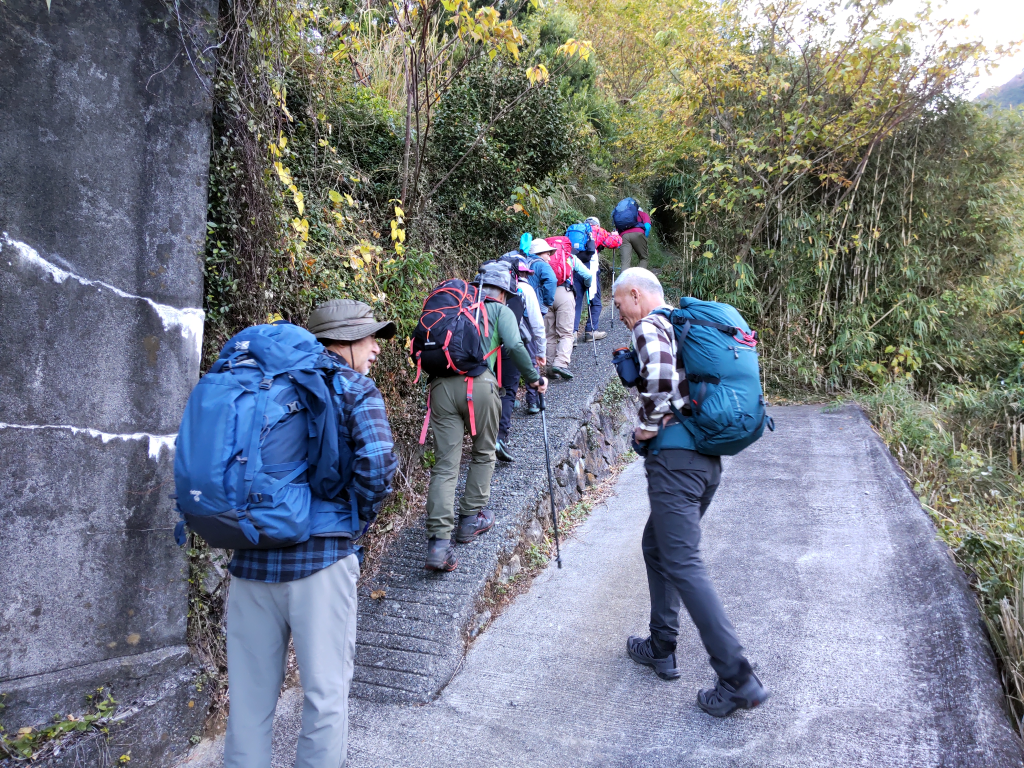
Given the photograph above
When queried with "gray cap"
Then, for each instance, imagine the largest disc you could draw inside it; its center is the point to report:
(497, 275)
(348, 320)
(593, 221)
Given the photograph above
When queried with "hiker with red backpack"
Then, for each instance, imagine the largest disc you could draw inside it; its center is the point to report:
(457, 341)
(633, 223)
(558, 322)
(696, 372)
(284, 455)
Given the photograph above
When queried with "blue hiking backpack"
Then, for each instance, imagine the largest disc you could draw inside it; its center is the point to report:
(719, 353)
(579, 235)
(257, 458)
(626, 214)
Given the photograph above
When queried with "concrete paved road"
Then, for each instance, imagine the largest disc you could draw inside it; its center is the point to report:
(861, 626)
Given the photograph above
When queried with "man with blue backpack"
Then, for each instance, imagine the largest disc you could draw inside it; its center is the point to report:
(633, 223)
(695, 369)
(307, 459)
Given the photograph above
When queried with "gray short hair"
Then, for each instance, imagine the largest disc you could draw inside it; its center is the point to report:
(494, 293)
(642, 279)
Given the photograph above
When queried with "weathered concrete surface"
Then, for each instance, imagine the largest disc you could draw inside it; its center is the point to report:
(104, 146)
(860, 623)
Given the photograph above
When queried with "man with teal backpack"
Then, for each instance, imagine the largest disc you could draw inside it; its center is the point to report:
(695, 369)
(284, 455)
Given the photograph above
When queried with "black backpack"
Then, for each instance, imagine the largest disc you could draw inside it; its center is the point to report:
(448, 340)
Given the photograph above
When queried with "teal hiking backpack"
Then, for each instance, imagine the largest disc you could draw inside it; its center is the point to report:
(719, 353)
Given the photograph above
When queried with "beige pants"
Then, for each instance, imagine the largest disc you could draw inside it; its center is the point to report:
(558, 324)
(319, 613)
(633, 242)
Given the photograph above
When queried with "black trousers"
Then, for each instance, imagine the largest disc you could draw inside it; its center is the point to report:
(680, 485)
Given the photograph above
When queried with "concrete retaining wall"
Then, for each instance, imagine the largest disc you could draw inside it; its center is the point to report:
(104, 146)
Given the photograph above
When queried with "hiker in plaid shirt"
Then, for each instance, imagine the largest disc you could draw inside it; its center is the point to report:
(308, 591)
(680, 485)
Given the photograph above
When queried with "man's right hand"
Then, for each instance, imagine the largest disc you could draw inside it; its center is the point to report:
(541, 385)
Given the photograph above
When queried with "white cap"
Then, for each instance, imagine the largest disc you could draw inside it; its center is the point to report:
(593, 221)
(540, 245)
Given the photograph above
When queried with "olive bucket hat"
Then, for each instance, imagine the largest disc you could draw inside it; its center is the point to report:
(348, 320)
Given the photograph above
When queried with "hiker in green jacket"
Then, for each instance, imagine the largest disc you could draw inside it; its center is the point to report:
(452, 411)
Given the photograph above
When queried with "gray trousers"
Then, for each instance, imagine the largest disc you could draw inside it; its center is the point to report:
(680, 485)
(319, 612)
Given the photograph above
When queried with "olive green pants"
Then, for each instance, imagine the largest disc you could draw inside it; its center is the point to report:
(633, 242)
(449, 418)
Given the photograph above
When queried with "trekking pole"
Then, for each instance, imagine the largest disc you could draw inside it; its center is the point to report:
(479, 298)
(593, 326)
(551, 481)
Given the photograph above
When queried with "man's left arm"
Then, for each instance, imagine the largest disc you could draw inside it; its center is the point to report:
(657, 359)
(373, 447)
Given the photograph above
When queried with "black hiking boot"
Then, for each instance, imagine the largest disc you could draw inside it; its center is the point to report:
(725, 698)
(471, 526)
(502, 452)
(561, 373)
(441, 555)
(642, 652)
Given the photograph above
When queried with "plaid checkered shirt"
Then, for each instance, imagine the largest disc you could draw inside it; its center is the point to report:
(664, 383)
(363, 424)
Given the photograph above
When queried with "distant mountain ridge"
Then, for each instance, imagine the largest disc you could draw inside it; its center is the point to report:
(1009, 94)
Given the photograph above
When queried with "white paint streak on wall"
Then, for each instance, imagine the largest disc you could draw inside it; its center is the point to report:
(156, 442)
(188, 320)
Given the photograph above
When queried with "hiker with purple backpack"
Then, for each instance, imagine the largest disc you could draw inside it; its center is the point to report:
(525, 307)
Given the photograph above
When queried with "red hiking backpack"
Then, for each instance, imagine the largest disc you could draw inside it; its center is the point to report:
(561, 259)
(448, 340)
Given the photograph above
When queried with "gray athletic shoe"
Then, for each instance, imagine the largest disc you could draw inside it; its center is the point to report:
(724, 699)
(641, 652)
(501, 451)
(441, 555)
(561, 373)
(471, 526)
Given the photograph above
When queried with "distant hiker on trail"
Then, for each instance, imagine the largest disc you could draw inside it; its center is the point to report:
(599, 239)
(634, 225)
(559, 320)
(531, 330)
(308, 590)
(468, 398)
(680, 484)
